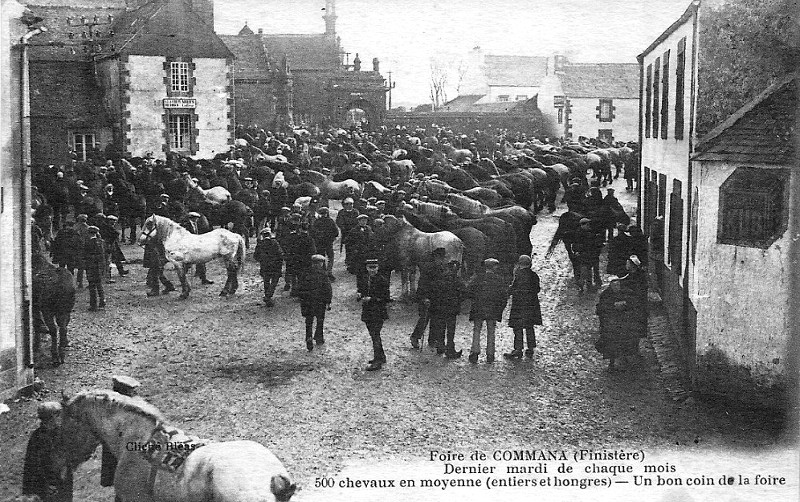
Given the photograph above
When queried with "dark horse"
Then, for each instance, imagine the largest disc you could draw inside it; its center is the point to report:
(568, 224)
(53, 300)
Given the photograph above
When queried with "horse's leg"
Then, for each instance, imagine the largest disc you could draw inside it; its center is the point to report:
(233, 273)
(62, 319)
(49, 319)
(412, 281)
(404, 284)
(226, 289)
(185, 288)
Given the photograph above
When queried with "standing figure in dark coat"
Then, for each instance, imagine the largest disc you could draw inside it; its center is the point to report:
(429, 274)
(324, 231)
(299, 249)
(94, 259)
(358, 242)
(373, 311)
(526, 311)
(269, 255)
(82, 229)
(587, 247)
(155, 257)
(489, 293)
(619, 249)
(67, 248)
(445, 303)
(110, 236)
(46, 472)
(346, 220)
(197, 224)
(622, 310)
(315, 292)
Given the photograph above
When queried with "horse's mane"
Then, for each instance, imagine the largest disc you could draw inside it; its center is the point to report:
(109, 398)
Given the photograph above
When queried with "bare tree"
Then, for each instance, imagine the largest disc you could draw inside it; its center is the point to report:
(461, 72)
(437, 84)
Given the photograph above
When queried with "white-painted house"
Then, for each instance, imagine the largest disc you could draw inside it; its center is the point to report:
(742, 247)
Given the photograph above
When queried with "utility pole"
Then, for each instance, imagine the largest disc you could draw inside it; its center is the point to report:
(391, 86)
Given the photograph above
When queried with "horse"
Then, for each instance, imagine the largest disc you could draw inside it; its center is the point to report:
(330, 189)
(568, 224)
(184, 248)
(53, 300)
(158, 463)
(214, 195)
(476, 244)
(520, 218)
(408, 246)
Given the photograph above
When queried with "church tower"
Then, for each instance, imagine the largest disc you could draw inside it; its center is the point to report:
(330, 18)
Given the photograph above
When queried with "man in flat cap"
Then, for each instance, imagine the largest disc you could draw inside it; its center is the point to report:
(346, 220)
(197, 224)
(429, 275)
(46, 472)
(586, 246)
(324, 231)
(373, 311)
(114, 254)
(298, 248)
(269, 255)
(358, 242)
(316, 294)
(94, 259)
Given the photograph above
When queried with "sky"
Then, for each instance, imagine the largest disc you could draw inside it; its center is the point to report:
(407, 35)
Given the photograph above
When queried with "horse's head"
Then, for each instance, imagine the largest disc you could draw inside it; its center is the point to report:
(149, 230)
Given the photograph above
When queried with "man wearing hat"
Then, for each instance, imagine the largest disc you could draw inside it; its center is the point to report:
(94, 260)
(269, 255)
(489, 293)
(373, 311)
(429, 275)
(262, 209)
(586, 247)
(316, 294)
(110, 237)
(196, 224)
(298, 249)
(346, 220)
(46, 472)
(110, 205)
(358, 242)
(155, 257)
(324, 231)
(162, 207)
(82, 230)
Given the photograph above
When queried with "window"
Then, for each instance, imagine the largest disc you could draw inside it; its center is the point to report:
(522, 97)
(662, 194)
(179, 76)
(502, 98)
(606, 135)
(665, 97)
(560, 115)
(674, 247)
(180, 132)
(606, 109)
(680, 74)
(656, 78)
(648, 103)
(83, 144)
(752, 207)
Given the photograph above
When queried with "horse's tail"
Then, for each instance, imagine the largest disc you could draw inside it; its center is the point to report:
(282, 488)
(239, 257)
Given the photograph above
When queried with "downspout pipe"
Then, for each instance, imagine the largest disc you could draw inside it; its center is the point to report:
(25, 190)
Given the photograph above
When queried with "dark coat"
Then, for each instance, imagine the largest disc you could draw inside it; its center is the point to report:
(447, 293)
(347, 220)
(357, 242)
(315, 292)
(619, 249)
(587, 245)
(45, 472)
(269, 255)
(67, 248)
(324, 231)
(94, 255)
(525, 309)
(489, 293)
(155, 256)
(374, 310)
(298, 249)
(623, 317)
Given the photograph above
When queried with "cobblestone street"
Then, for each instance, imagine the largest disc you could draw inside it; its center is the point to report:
(229, 368)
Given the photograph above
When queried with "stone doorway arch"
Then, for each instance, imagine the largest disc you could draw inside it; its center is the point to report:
(359, 112)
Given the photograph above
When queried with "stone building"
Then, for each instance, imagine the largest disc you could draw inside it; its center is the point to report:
(307, 77)
(130, 78)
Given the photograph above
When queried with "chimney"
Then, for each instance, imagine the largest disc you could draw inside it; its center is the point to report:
(376, 65)
(559, 61)
(261, 31)
(330, 18)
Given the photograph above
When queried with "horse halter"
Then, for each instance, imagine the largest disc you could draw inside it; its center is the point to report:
(150, 232)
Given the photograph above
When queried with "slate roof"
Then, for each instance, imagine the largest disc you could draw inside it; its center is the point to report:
(601, 80)
(461, 103)
(168, 28)
(762, 131)
(251, 59)
(468, 104)
(515, 71)
(304, 52)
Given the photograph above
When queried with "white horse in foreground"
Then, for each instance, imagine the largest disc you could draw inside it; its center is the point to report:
(184, 248)
(158, 463)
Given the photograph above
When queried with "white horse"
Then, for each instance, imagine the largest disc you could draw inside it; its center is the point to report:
(159, 463)
(184, 248)
(214, 195)
(330, 189)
